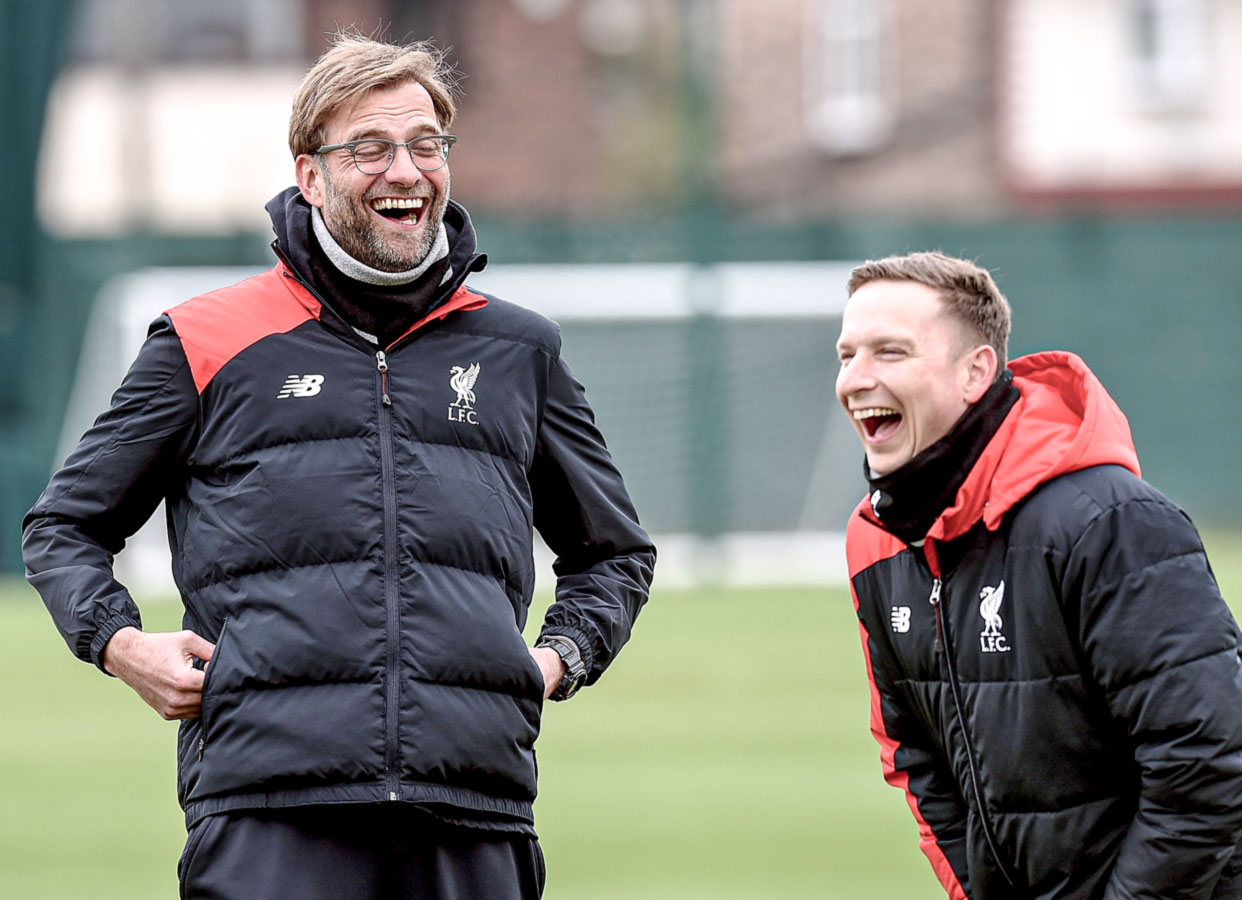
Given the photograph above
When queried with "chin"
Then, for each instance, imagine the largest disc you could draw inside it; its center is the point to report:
(884, 466)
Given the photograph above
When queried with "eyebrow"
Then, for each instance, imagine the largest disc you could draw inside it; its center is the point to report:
(364, 134)
(877, 340)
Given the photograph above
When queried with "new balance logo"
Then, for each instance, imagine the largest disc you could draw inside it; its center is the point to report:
(900, 618)
(300, 386)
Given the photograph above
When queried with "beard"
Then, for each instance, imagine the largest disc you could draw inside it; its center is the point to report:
(350, 223)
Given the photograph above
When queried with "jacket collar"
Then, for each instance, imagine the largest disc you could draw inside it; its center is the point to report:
(1064, 421)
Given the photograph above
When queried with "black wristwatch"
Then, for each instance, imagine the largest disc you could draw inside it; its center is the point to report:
(575, 668)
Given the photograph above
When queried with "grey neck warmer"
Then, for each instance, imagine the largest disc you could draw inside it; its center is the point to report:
(366, 274)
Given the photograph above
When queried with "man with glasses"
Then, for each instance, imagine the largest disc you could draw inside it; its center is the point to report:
(353, 449)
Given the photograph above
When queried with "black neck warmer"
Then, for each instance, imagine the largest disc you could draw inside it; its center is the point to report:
(384, 312)
(910, 499)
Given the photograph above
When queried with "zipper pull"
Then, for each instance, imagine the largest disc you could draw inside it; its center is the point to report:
(202, 742)
(381, 363)
(934, 600)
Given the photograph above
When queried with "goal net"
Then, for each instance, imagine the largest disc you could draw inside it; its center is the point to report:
(713, 386)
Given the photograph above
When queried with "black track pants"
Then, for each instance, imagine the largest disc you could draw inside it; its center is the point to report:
(354, 853)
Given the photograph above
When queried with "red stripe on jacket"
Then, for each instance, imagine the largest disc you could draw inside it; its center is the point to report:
(882, 545)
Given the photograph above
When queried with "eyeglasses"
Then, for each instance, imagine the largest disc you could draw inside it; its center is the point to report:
(373, 156)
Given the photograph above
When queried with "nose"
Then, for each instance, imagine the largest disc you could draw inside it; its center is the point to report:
(403, 171)
(855, 376)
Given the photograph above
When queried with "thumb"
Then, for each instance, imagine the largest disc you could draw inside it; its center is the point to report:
(196, 645)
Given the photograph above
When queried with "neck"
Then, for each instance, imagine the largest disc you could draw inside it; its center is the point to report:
(360, 271)
(908, 500)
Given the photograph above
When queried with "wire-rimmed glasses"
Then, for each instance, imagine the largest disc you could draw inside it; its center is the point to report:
(373, 156)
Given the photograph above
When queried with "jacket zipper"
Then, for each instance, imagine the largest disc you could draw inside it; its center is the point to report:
(382, 364)
(391, 596)
(392, 684)
(943, 646)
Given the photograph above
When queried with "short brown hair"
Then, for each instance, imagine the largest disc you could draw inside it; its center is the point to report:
(355, 65)
(969, 292)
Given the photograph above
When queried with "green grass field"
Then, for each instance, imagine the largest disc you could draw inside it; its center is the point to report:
(725, 755)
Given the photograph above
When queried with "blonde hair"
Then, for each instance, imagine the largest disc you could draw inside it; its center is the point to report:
(355, 65)
(970, 294)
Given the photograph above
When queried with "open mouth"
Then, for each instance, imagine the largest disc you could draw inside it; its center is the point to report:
(878, 422)
(405, 210)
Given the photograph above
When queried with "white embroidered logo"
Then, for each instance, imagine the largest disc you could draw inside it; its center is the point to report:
(990, 639)
(300, 386)
(462, 381)
(900, 617)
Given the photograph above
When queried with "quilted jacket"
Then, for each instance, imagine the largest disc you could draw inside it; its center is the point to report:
(352, 527)
(1055, 679)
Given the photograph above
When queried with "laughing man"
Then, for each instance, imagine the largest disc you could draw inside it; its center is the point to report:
(353, 448)
(1055, 679)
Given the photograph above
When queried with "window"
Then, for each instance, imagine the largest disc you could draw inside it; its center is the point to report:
(850, 88)
(175, 31)
(1168, 53)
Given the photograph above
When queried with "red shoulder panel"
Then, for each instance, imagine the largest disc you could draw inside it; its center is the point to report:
(866, 543)
(216, 326)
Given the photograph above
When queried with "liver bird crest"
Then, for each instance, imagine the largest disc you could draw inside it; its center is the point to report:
(462, 381)
(989, 608)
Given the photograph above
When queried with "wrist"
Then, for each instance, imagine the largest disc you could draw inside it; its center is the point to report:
(116, 646)
(574, 668)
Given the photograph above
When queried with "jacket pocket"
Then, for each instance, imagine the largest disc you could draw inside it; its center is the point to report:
(536, 685)
(207, 707)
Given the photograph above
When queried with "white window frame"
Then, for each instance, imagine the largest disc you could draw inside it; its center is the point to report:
(1168, 53)
(850, 95)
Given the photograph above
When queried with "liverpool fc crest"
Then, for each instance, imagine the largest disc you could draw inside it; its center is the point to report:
(462, 382)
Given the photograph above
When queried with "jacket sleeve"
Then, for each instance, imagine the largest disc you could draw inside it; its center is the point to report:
(913, 763)
(108, 487)
(1161, 642)
(604, 559)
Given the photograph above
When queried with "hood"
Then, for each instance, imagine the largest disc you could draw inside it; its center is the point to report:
(1065, 421)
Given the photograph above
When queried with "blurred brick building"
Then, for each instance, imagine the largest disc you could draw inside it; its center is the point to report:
(773, 109)
(1089, 152)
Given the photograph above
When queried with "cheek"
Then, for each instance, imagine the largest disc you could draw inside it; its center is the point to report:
(943, 409)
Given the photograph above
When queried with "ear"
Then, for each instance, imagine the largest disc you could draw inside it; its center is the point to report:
(310, 179)
(978, 371)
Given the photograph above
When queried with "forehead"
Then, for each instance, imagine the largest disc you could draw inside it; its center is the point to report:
(895, 310)
(397, 110)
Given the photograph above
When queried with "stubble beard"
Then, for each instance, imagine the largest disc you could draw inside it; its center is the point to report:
(349, 223)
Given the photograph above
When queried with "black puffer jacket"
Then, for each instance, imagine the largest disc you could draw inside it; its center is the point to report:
(1056, 679)
(353, 529)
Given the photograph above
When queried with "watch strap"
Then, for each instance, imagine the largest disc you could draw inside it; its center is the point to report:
(575, 668)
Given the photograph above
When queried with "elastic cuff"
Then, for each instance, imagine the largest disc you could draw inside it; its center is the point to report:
(579, 637)
(104, 634)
